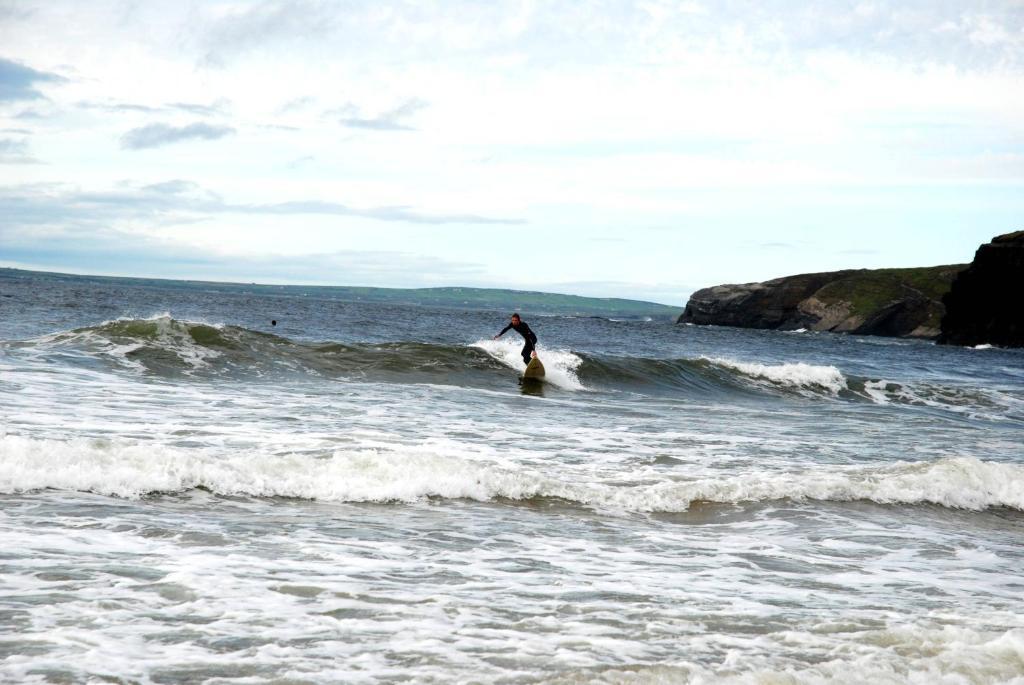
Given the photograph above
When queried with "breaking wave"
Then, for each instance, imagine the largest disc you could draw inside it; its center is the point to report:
(136, 469)
(166, 346)
(798, 375)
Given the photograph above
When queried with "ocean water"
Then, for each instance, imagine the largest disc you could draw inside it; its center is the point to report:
(366, 494)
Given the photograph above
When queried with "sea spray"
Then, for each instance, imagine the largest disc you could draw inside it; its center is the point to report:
(134, 469)
(794, 375)
(561, 365)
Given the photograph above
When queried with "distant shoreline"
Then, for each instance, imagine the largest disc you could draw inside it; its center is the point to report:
(537, 303)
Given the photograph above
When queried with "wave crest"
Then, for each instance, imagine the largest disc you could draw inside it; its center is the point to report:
(560, 366)
(165, 346)
(136, 469)
(792, 375)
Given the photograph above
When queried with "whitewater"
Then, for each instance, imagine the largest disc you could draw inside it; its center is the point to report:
(366, 494)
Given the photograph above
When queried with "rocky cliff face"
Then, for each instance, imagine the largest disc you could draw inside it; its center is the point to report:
(895, 302)
(985, 304)
(771, 304)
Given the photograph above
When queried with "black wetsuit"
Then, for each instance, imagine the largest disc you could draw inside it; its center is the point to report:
(529, 336)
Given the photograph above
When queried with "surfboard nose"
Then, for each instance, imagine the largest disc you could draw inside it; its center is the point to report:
(534, 369)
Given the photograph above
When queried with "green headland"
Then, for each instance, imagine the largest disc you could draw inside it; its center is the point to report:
(491, 299)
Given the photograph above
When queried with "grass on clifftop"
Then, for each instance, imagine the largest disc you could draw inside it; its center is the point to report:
(867, 291)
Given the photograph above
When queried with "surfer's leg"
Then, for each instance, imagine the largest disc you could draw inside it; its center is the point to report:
(527, 349)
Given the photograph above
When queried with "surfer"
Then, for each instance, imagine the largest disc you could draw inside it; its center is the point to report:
(529, 336)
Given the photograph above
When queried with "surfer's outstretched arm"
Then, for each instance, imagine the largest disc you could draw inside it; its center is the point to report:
(503, 332)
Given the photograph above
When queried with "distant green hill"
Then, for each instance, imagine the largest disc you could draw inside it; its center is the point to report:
(498, 299)
(491, 299)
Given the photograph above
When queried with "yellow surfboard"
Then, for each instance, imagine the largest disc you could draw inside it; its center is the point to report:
(534, 369)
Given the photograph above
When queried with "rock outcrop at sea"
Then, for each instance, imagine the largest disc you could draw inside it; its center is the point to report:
(985, 304)
(891, 302)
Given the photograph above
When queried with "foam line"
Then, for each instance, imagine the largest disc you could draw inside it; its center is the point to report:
(795, 375)
(134, 469)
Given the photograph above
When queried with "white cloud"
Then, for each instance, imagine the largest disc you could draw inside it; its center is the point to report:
(15, 151)
(160, 134)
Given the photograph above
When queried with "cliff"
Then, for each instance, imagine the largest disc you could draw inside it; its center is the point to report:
(985, 304)
(894, 302)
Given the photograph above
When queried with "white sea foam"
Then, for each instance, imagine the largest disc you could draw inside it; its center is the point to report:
(171, 335)
(133, 469)
(795, 375)
(918, 654)
(878, 391)
(213, 591)
(987, 403)
(559, 365)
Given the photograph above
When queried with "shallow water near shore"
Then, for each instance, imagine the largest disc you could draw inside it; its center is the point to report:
(366, 494)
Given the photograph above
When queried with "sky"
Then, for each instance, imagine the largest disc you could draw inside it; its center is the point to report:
(616, 149)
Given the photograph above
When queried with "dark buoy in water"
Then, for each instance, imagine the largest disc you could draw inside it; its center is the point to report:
(273, 322)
